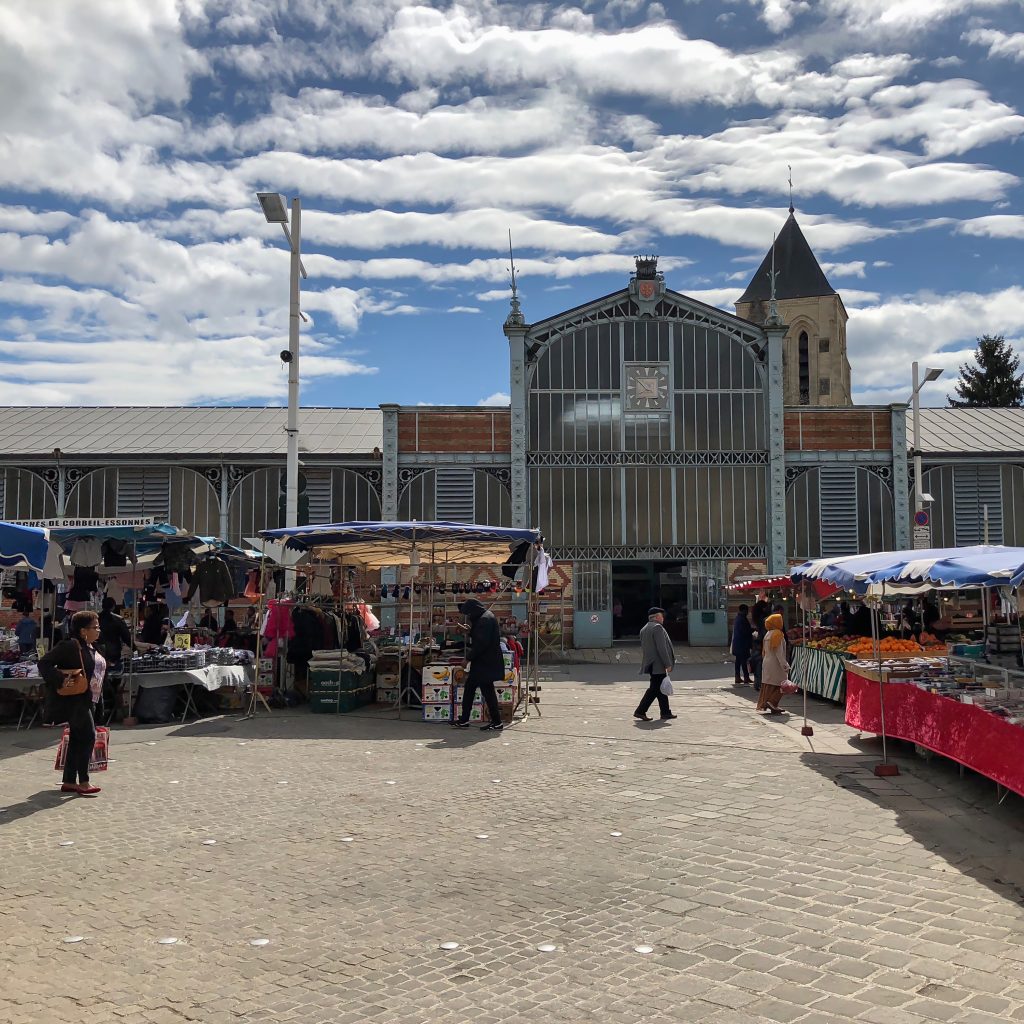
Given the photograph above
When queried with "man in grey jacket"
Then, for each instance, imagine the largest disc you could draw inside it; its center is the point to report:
(658, 660)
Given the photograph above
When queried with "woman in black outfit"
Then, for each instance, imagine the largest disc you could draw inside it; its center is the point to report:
(76, 652)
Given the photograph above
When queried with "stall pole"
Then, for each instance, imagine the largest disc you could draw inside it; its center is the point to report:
(342, 584)
(128, 719)
(256, 695)
(885, 769)
(807, 730)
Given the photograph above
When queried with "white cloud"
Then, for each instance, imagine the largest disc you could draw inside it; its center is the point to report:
(886, 337)
(22, 219)
(499, 398)
(463, 309)
(779, 14)
(996, 226)
(855, 268)
(1000, 44)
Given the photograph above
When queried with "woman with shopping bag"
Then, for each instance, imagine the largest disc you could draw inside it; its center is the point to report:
(70, 672)
(774, 668)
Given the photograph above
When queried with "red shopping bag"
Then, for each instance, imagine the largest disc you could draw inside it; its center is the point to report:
(100, 750)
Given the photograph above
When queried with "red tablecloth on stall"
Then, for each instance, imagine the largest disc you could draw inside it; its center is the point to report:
(981, 741)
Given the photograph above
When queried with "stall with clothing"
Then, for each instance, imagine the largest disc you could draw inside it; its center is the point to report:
(420, 660)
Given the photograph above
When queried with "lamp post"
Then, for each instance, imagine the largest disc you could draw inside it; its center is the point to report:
(915, 397)
(274, 210)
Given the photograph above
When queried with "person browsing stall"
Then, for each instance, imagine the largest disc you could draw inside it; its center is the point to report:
(485, 664)
(27, 632)
(658, 660)
(73, 672)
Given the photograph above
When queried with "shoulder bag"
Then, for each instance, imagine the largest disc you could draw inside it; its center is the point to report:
(75, 682)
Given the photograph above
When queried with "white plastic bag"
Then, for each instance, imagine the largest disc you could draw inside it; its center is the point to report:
(666, 687)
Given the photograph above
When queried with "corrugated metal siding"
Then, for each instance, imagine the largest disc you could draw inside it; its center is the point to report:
(838, 511)
(456, 495)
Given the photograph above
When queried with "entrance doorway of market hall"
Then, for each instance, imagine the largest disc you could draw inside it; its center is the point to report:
(640, 585)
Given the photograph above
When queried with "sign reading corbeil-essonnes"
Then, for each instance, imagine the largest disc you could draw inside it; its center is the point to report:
(86, 524)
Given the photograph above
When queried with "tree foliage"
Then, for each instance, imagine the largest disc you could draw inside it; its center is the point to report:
(994, 382)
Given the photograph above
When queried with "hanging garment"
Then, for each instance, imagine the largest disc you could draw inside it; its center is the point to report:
(115, 591)
(370, 621)
(176, 557)
(87, 552)
(213, 581)
(83, 585)
(115, 553)
(252, 585)
(278, 626)
(542, 571)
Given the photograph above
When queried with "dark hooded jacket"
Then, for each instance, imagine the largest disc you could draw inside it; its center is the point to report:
(484, 652)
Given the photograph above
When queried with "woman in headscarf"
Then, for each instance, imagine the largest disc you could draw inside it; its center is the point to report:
(774, 667)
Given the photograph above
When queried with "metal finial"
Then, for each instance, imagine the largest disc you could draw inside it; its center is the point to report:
(515, 315)
(790, 166)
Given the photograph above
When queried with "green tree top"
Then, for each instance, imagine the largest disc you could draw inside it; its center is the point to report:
(994, 382)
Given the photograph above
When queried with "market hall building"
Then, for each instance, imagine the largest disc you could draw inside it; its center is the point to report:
(664, 446)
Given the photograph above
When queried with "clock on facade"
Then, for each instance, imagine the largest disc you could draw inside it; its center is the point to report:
(646, 387)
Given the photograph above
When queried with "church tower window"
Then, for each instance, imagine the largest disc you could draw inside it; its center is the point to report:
(805, 370)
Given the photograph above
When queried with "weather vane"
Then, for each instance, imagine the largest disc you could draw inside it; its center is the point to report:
(515, 315)
(790, 166)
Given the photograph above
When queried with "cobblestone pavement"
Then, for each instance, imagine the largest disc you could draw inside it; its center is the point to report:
(772, 881)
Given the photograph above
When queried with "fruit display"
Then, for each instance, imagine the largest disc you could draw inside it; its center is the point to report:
(863, 646)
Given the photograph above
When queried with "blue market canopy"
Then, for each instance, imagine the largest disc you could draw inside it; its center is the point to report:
(978, 566)
(153, 534)
(23, 547)
(378, 544)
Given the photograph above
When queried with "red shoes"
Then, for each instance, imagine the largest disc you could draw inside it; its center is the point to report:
(82, 790)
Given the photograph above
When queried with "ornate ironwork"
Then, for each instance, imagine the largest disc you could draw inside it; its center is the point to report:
(671, 553)
(587, 460)
(793, 473)
(75, 474)
(212, 473)
(406, 476)
(503, 476)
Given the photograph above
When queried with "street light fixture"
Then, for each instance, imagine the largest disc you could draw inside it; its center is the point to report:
(273, 205)
(931, 374)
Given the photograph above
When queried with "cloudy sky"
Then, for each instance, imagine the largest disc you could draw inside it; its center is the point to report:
(136, 267)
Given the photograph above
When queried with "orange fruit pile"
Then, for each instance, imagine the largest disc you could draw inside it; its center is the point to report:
(890, 645)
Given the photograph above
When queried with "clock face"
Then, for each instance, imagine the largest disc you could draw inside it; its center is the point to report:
(646, 387)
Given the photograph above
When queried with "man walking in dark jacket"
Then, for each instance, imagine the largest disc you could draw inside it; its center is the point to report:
(658, 659)
(486, 664)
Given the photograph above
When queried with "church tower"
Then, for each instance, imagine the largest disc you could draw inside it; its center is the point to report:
(815, 364)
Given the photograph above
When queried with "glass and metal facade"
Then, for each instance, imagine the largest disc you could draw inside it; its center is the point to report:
(648, 436)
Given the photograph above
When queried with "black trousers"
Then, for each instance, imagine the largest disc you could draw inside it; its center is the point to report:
(490, 696)
(81, 738)
(653, 693)
(742, 661)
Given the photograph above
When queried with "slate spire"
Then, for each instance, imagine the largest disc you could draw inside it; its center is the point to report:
(799, 275)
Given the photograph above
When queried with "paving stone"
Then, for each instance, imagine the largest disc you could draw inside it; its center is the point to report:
(773, 900)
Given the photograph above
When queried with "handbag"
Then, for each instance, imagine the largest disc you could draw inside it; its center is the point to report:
(789, 686)
(75, 681)
(666, 687)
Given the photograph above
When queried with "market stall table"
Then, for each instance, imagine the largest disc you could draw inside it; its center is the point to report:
(969, 735)
(211, 678)
(819, 672)
(30, 695)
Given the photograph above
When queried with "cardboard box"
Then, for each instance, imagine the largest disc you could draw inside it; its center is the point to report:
(435, 692)
(388, 679)
(437, 674)
(387, 695)
(437, 712)
(506, 694)
(460, 693)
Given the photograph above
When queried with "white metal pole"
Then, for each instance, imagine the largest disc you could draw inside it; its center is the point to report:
(918, 482)
(291, 516)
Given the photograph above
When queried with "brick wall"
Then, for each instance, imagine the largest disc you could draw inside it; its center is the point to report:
(454, 429)
(864, 429)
